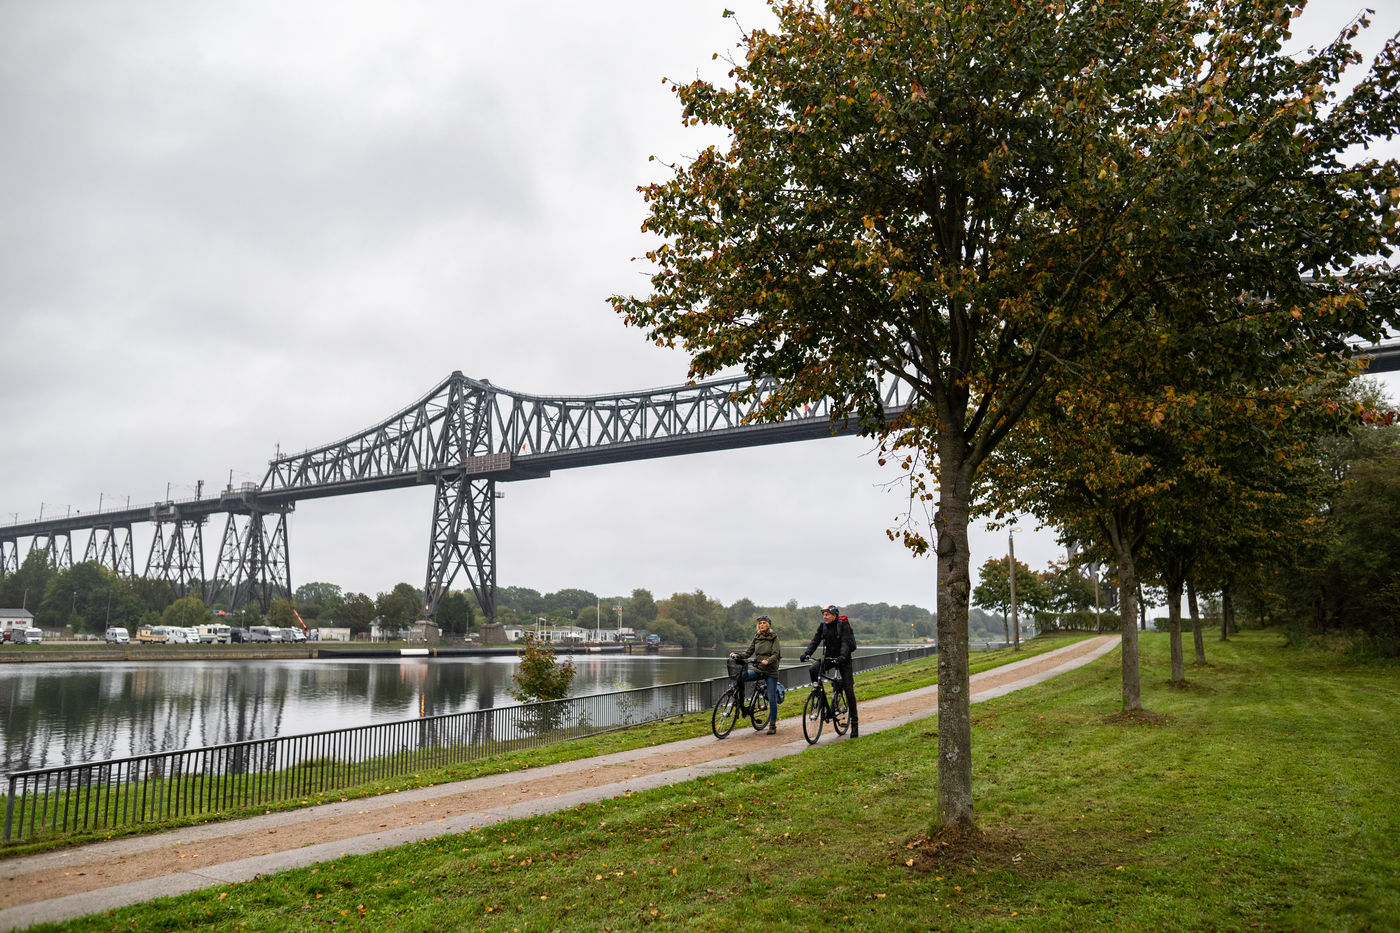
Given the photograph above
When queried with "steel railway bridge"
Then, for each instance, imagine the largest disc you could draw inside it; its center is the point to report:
(462, 438)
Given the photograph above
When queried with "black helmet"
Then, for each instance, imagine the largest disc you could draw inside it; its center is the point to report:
(831, 609)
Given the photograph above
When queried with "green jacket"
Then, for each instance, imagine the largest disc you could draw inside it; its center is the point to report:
(766, 651)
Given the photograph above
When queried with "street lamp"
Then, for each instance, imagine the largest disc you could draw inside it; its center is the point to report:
(1011, 568)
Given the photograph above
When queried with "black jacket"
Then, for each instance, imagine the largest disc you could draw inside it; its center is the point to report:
(837, 639)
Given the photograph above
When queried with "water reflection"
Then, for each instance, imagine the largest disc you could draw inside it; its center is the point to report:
(54, 715)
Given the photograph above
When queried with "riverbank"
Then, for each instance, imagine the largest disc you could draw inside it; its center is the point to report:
(1206, 814)
(83, 652)
(74, 881)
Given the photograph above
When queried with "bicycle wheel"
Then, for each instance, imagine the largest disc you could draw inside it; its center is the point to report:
(725, 715)
(758, 714)
(840, 713)
(812, 716)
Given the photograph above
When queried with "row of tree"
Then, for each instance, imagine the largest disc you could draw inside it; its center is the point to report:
(1117, 264)
(87, 598)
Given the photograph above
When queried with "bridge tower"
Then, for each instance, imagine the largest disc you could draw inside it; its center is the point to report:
(110, 546)
(59, 547)
(180, 562)
(9, 556)
(464, 505)
(254, 565)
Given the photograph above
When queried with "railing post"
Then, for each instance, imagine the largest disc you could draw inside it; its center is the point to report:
(10, 808)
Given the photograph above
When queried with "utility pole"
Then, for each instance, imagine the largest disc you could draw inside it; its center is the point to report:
(1011, 560)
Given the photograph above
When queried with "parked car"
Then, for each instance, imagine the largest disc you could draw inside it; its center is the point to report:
(239, 635)
(116, 635)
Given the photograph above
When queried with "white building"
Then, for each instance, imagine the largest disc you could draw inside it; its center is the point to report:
(16, 618)
(564, 634)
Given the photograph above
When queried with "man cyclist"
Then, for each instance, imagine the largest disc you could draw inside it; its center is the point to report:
(837, 640)
(767, 654)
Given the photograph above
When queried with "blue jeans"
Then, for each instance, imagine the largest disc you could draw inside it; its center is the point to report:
(772, 685)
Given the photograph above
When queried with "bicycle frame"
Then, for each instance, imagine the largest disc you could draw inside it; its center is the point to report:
(737, 701)
(821, 708)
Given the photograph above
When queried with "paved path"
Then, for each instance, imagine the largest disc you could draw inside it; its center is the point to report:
(60, 885)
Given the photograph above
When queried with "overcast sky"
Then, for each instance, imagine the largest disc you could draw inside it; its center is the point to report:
(229, 229)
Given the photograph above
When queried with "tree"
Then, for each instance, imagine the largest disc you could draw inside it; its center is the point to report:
(703, 617)
(541, 678)
(399, 608)
(356, 612)
(455, 613)
(281, 613)
(324, 595)
(25, 588)
(897, 203)
(1071, 592)
(993, 589)
(249, 616)
(639, 611)
(186, 612)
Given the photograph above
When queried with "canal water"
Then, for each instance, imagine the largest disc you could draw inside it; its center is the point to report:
(52, 714)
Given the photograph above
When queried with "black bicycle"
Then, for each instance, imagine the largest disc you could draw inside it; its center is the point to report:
(733, 702)
(819, 709)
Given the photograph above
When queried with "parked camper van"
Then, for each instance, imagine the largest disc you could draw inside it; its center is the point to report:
(215, 634)
(26, 636)
(116, 635)
(264, 633)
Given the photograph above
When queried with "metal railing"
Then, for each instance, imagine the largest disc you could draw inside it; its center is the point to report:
(102, 796)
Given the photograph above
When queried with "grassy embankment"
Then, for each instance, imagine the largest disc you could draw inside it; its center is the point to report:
(202, 799)
(1264, 795)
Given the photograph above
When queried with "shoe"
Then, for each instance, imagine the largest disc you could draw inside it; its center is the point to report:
(855, 730)
(772, 728)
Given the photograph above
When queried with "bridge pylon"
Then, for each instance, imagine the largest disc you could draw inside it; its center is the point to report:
(59, 547)
(254, 566)
(110, 546)
(180, 562)
(9, 556)
(464, 538)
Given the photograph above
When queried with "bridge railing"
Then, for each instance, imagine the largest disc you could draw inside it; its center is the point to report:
(166, 787)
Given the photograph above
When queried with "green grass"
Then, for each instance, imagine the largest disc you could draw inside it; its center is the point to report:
(193, 800)
(1261, 796)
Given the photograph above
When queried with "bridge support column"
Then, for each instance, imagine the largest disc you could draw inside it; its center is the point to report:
(181, 562)
(9, 556)
(464, 538)
(254, 565)
(110, 546)
(59, 547)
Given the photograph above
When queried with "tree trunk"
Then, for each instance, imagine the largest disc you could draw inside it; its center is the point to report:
(1196, 634)
(1227, 604)
(1121, 540)
(954, 591)
(1227, 609)
(1173, 586)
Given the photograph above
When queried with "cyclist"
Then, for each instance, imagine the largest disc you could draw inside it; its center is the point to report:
(834, 635)
(767, 654)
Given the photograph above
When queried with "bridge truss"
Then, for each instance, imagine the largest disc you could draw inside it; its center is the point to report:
(463, 437)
